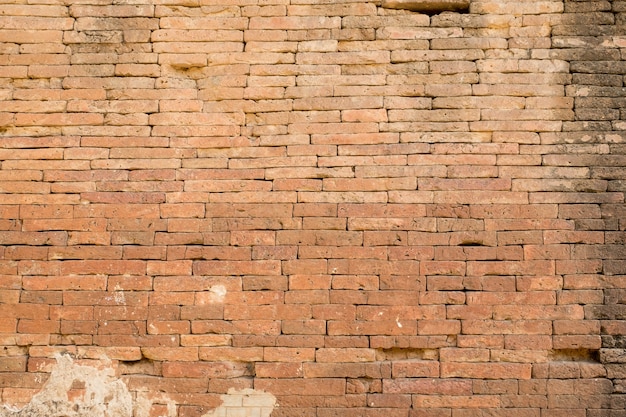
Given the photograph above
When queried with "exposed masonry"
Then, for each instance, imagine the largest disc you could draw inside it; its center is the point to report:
(313, 208)
(83, 390)
(75, 390)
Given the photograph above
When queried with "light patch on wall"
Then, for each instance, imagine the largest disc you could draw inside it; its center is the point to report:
(218, 293)
(245, 402)
(74, 390)
(146, 402)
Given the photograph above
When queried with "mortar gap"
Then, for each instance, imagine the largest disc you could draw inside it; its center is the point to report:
(429, 7)
(575, 355)
(471, 243)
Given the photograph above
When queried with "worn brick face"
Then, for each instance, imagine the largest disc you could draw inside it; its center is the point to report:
(314, 208)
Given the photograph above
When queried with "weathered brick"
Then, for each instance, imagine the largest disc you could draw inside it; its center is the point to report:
(486, 370)
(330, 386)
(357, 209)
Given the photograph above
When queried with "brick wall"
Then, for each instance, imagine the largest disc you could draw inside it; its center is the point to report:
(312, 208)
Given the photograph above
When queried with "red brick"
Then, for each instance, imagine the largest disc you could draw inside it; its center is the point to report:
(278, 370)
(288, 354)
(169, 267)
(288, 312)
(481, 341)
(162, 353)
(254, 298)
(169, 327)
(309, 282)
(464, 355)
(404, 327)
(204, 369)
(305, 266)
(582, 267)
(348, 267)
(533, 342)
(577, 342)
(24, 311)
(303, 327)
(415, 369)
(427, 386)
(499, 327)
(333, 311)
(182, 210)
(442, 268)
(318, 386)
(358, 282)
(269, 267)
(540, 267)
(334, 355)
(434, 327)
(355, 252)
(79, 327)
(574, 327)
(486, 370)
(362, 211)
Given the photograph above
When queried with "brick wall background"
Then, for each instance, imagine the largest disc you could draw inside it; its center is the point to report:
(324, 208)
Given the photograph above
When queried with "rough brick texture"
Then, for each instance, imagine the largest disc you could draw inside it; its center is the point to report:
(313, 208)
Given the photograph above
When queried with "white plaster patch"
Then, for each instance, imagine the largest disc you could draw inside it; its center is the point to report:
(145, 401)
(218, 293)
(75, 391)
(246, 402)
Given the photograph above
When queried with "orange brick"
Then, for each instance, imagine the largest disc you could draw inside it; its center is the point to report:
(269, 267)
(321, 386)
(166, 354)
(360, 210)
(287, 354)
(278, 370)
(420, 386)
(486, 370)
(203, 370)
(86, 283)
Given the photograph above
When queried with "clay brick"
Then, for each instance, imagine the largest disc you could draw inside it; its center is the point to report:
(371, 328)
(303, 327)
(435, 327)
(486, 370)
(169, 267)
(237, 267)
(38, 326)
(321, 386)
(78, 327)
(403, 201)
(278, 370)
(518, 342)
(415, 369)
(344, 355)
(577, 342)
(285, 354)
(203, 370)
(430, 387)
(39, 283)
(477, 327)
(309, 282)
(539, 267)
